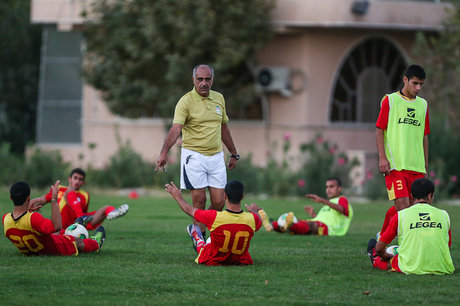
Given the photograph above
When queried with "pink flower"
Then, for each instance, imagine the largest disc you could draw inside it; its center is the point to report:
(437, 182)
(453, 178)
(369, 174)
(432, 173)
(319, 139)
(133, 195)
(341, 161)
(287, 136)
(332, 150)
(301, 183)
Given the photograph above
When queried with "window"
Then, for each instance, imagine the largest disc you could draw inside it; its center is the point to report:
(60, 97)
(372, 69)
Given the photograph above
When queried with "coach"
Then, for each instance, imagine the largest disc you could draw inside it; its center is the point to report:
(200, 115)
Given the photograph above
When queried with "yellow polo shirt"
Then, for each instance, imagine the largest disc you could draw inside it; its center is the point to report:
(201, 119)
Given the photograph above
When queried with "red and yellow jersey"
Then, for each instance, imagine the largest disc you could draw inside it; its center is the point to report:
(76, 206)
(231, 234)
(33, 234)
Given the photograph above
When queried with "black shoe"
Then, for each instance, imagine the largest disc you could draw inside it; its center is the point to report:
(83, 220)
(371, 249)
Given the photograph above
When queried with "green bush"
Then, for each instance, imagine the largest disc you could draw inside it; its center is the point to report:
(246, 172)
(125, 169)
(10, 164)
(444, 160)
(374, 186)
(43, 168)
(321, 160)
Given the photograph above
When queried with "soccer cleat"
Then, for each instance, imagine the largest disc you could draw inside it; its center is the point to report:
(265, 222)
(83, 220)
(99, 236)
(120, 211)
(371, 249)
(289, 221)
(203, 234)
(195, 233)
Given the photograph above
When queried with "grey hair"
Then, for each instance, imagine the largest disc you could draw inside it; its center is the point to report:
(209, 66)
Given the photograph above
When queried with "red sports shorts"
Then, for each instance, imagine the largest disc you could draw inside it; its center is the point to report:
(399, 182)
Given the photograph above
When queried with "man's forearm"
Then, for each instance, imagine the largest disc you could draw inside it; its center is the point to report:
(336, 207)
(379, 138)
(425, 150)
(171, 139)
(228, 140)
(187, 208)
(38, 201)
(56, 215)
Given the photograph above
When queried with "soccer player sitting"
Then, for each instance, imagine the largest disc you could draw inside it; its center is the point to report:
(423, 236)
(333, 219)
(74, 203)
(33, 234)
(231, 230)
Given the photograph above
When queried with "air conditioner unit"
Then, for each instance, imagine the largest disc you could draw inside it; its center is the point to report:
(273, 79)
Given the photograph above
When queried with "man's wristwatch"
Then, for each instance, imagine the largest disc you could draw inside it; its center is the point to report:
(237, 156)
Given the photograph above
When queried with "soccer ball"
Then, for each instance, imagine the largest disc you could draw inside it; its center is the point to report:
(282, 220)
(393, 250)
(77, 230)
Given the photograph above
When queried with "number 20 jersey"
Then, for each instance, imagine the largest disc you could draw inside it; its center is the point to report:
(231, 233)
(33, 234)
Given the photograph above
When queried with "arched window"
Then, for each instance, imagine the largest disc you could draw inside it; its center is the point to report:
(373, 68)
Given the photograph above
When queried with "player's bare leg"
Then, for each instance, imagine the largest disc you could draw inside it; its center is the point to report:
(217, 198)
(199, 202)
(99, 215)
(401, 203)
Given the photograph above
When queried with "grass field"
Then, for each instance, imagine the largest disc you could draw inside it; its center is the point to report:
(148, 259)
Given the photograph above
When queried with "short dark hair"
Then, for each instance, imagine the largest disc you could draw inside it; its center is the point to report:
(78, 171)
(234, 191)
(421, 188)
(19, 192)
(415, 71)
(333, 178)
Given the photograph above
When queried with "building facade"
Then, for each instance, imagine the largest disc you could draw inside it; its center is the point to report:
(324, 72)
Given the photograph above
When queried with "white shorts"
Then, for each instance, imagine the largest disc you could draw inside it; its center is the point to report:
(201, 171)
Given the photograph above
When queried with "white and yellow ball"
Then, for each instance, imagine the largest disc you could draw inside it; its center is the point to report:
(282, 220)
(393, 250)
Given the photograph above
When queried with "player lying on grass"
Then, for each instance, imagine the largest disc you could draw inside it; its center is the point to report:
(333, 218)
(231, 230)
(74, 203)
(424, 237)
(33, 234)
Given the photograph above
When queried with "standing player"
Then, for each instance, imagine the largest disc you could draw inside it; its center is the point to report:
(333, 219)
(33, 234)
(74, 202)
(402, 130)
(200, 115)
(424, 237)
(231, 230)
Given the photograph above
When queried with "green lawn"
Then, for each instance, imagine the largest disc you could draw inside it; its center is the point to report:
(148, 259)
